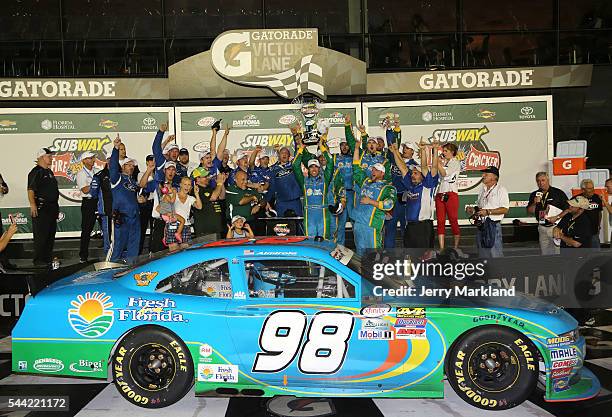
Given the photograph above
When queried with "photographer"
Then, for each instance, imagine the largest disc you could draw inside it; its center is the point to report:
(43, 195)
(491, 207)
(540, 201)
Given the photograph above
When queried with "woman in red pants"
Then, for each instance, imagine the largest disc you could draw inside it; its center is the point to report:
(447, 199)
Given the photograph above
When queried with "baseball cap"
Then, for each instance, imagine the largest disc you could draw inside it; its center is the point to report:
(238, 217)
(491, 170)
(580, 202)
(416, 167)
(314, 162)
(372, 139)
(200, 172)
(379, 167)
(87, 154)
(150, 157)
(203, 154)
(411, 145)
(184, 151)
(241, 154)
(41, 152)
(169, 147)
(169, 164)
(126, 160)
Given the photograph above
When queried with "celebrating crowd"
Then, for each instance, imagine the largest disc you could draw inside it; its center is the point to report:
(373, 182)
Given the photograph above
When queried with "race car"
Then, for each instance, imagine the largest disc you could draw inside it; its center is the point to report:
(285, 316)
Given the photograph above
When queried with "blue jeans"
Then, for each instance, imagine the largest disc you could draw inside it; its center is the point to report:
(497, 251)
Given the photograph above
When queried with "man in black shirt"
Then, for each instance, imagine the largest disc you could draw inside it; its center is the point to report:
(574, 230)
(540, 202)
(595, 209)
(43, 195)
(211, 218)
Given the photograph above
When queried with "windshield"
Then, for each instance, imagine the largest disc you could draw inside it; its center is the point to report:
(139, 261)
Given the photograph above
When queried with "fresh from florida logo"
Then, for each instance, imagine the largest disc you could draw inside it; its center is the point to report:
(91, 316)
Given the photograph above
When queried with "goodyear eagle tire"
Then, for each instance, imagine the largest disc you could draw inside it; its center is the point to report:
(152, 367)
(493, 367)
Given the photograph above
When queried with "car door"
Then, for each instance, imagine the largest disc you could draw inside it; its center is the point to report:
(296, 323)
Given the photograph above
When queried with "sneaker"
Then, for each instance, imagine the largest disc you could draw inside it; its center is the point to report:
(83, 261)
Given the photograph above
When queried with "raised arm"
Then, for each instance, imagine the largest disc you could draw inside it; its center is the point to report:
(297, 165)
(158, 151)
(113, 164)
(399, 161)
(253, 156)
(223, 143)
(348, 132)
(329, 166)
(358, 173)
(364, 136)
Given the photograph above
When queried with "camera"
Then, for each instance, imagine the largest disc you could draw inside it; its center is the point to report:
(475, 218)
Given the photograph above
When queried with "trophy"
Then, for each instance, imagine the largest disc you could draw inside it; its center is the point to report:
(313, 128)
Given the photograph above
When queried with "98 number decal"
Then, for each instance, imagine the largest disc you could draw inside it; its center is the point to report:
(322, 352)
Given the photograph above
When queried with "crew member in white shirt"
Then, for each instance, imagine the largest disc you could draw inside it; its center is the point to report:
(88, 204)
(493, 203)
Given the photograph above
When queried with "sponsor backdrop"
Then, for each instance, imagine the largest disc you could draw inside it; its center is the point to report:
(512, 133)
(68, 132)
(264, 125)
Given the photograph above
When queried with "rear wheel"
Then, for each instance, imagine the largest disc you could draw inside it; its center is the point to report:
(493, 368)
(152, 367)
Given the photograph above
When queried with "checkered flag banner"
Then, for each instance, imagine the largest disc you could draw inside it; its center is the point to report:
(305, 77)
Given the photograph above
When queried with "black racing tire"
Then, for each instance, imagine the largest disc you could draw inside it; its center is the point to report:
(152, 367)
(493, 367)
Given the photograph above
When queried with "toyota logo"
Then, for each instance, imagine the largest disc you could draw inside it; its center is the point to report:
(526, 111)
(149, 121)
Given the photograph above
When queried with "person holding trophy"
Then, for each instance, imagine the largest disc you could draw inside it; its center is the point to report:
(317, 219)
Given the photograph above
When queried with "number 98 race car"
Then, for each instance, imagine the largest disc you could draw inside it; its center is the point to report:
(284, 316)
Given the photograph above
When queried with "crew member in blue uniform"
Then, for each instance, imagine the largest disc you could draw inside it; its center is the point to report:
(420, 187)
(126, 223)
(284, 187)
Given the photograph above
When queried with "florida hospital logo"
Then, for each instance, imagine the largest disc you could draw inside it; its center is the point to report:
(91, 316)
(284, 60)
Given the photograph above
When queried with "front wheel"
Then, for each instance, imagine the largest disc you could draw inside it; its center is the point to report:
(493, 368)
(152, 367)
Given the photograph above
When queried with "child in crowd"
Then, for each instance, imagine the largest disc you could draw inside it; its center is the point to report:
(239, 229)
(174, 222)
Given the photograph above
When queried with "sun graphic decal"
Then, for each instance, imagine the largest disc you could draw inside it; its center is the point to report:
(91, 315)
